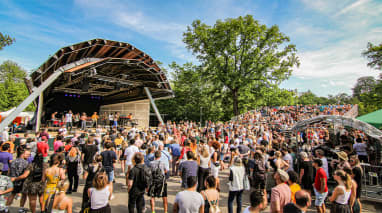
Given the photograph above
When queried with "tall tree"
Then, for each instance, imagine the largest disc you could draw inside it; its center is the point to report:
(364, 84)
(5, 40)
(374, 54)
(12, 87)
(239, 53)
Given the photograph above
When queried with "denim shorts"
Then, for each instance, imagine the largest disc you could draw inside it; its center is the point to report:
(110, 176)
(320, 197)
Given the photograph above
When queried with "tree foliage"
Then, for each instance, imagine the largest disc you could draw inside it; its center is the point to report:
(374, 54)
(241, 53)
(5, 40)
(12, 87)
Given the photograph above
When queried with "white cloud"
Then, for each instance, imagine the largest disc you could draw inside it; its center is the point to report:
(352, 6)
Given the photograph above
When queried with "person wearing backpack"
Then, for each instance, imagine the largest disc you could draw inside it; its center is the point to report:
(138, 181)
(158, 187)
(211, 196)
(33, 185)
(258, 170)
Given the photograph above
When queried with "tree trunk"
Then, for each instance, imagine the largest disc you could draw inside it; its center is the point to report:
(235, 97)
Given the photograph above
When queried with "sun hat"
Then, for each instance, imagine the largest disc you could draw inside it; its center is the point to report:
(342, 155)
(283, 175)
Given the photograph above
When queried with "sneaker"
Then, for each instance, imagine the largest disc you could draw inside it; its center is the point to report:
(112, 197)
(68, 192)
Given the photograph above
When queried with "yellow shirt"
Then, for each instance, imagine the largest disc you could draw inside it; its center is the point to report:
(95, 117)
(294, 188)
(118, 141)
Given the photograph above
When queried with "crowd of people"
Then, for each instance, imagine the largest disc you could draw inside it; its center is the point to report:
(277, 169)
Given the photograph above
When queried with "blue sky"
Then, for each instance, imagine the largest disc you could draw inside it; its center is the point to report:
(329, 34)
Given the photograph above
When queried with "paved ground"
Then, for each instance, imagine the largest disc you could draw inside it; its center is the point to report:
(119, 203)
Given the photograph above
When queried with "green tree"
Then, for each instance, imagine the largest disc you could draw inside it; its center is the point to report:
(240, 53)
(374, 54)
(5, 40)
(364, 84)
(308, 98)
(12, 87)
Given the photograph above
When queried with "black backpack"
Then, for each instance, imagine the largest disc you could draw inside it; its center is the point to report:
(158, 177)
(259, 168)
(145, 177)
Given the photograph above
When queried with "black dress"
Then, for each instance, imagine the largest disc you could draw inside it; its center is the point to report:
(307, 178)
(92, 171)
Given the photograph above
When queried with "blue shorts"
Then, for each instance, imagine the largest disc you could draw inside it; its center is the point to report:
(110, 176)
(320, 197)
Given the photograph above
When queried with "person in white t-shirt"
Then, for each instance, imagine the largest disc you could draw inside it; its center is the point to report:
(129, 154)
(189, 200)
(69, 120)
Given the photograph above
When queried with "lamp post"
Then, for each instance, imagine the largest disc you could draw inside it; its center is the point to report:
(201, 116)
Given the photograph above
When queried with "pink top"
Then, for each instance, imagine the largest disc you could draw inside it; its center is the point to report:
(281, 193)
(56, 145)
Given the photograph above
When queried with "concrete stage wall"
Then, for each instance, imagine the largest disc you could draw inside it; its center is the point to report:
(140, 110)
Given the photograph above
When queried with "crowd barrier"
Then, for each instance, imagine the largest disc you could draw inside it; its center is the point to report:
(372, 181)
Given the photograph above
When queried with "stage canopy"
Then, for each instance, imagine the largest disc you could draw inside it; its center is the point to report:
(115, 71)
(339, 120)
(373, 118)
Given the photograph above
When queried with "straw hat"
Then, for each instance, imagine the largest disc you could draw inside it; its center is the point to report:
(342, 155)
(283, 175)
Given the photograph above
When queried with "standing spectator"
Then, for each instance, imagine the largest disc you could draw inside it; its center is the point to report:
(258, 200)
(306, 172)
(61, 202)
(320, 186)
(361, 149)
(138, 182)
(321, 155)
(100, 194)
(33, 184)
(72, 160)
(11, 144)
(43, 147)
(280, 163)
(189, 200)
(210, 195)
(129, 154)
(288, 158)
(204, 162)
(43, 132)
(57, 143)
(166, 159)
(17, 168)
(69, 120)
(89, 174)
(88, 152)
(258, 168)
(281, 193)
(5, 158)
(342, 192)
(158, 187)
(302, 204)
(236, 185)
(293, 185)
(357, 175)
(6, 186)
(216, 162)
(51, 176)
(108, 159)
(175, 152)
(188, 168)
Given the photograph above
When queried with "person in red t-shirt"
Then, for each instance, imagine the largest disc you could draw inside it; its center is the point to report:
(43, 147)
(320, 186)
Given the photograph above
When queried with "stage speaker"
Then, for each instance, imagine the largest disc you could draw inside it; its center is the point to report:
(85, 85)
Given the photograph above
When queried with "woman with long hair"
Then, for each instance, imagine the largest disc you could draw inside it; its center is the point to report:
(72, 160)
(61, 202)
(33, 185)
(306, 172)
(353, 203)
(100, 194)
(204, 162)
(52, 176)
(357, 172)
(210, 194)
(216, 163)
(89, 174)
(341, 194)
(279, 162)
